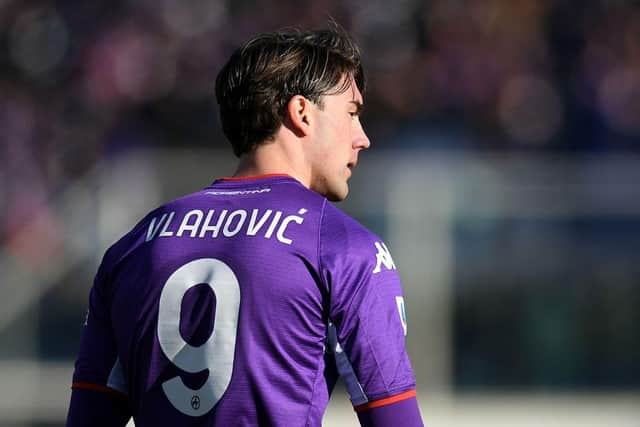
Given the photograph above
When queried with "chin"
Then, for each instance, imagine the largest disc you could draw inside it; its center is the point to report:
(333, 191)
(337, 196)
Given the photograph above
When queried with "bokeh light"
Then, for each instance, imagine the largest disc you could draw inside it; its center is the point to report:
(38, 41)
(530, 110)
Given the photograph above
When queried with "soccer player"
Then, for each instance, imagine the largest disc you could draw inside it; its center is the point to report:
(242, 303)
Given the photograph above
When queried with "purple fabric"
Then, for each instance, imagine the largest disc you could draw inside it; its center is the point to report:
(299, 264)
(404, 413)
(90, 408)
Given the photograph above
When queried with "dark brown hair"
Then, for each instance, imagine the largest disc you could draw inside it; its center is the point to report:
(255, 86)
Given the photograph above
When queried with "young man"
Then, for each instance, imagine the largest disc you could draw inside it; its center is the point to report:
(242, 303)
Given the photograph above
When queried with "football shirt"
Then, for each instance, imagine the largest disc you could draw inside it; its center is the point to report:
(241, 304)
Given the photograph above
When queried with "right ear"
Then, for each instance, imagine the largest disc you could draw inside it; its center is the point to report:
(299, 115)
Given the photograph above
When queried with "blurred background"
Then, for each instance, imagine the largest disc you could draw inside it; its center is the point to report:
(504, 175)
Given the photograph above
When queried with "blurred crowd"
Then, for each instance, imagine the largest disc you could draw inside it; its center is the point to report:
(80, 81)
(86, 81)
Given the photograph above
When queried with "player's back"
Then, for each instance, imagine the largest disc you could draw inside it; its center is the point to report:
(217, 309)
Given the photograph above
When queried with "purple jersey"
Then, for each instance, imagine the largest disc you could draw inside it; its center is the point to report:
(240, 305)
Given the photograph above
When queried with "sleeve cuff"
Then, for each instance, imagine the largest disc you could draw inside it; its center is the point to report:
(386, 401)
(79, 385)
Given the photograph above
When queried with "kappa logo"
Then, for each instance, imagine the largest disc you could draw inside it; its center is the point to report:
(383, 257)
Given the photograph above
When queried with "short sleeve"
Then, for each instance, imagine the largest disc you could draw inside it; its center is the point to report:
(97, 366)
(368, 322)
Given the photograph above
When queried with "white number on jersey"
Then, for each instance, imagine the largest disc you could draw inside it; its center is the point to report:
(218, 352)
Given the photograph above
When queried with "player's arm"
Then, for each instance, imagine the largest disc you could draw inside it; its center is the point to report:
(368, 325)
(388, 408)
(97, 408)
(400, 410)
(98, 396)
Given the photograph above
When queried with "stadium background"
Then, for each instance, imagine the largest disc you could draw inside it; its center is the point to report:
(504, 175)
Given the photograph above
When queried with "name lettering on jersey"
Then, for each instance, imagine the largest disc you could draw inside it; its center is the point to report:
(213, 224)
(383, 257)
(164, 220)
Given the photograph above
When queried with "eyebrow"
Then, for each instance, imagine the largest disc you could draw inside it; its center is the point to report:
(358, 105)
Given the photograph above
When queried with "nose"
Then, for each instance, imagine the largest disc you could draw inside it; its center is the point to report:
(364, 142)
(361, 139)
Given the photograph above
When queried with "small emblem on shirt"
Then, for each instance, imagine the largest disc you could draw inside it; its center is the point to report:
(195, 402)
(401, 312)
(383, 257)
(238, 192)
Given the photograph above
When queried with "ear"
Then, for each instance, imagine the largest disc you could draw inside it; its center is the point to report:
(299, 115)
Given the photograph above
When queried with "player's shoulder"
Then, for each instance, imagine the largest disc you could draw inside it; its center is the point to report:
(346, 244)
(340, 232)
(136, 236)
(336, 221)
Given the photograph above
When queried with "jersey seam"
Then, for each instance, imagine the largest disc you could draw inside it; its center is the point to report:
(315, 380)
(376, 291)
(375, 358)
(322, 213)
(313, 391)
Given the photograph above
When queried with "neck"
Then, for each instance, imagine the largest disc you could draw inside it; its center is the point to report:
(275, 157)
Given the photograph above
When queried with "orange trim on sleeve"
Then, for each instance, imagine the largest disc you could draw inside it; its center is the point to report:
(98, 387)
(386, 401)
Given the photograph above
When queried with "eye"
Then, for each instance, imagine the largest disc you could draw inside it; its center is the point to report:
(353, 114)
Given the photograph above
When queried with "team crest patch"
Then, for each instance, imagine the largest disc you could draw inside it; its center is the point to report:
(402, 313)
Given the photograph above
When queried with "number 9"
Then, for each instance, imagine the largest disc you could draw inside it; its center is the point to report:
(218, 352)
